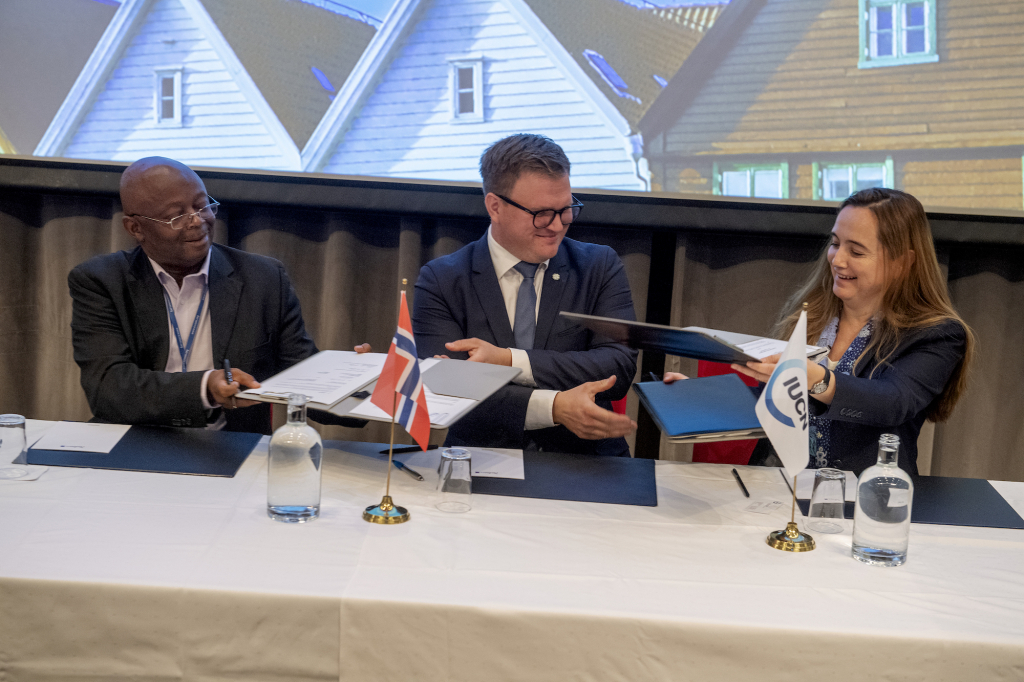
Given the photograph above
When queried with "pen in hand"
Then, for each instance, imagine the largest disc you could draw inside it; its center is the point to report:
(230, 379)
(739, 480)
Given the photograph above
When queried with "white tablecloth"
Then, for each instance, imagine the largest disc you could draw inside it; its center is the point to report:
(122, 575)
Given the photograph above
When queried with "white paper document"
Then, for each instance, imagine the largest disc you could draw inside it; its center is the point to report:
(805, 485)
(497, 463)
(762, 348)
(442, 408)
(79, 437)
(324, 378)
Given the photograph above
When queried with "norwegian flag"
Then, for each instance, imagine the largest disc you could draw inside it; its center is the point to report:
(401, 375)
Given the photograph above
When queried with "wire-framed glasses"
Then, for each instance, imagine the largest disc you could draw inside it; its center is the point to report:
(545, 217)
(186, 218)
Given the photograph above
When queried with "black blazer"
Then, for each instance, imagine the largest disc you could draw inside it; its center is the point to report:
(894, 400)
(121, 342)
(458, 297)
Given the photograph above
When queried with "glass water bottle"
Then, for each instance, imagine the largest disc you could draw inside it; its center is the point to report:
(881, 520)
(293, 470)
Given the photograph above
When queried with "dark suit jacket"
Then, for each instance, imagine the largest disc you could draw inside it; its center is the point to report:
(894, 400)
(121, 341)
(458, 297)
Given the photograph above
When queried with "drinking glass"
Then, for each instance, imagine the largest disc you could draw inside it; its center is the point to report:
(826, 511)
(454, 481)
(12, 445)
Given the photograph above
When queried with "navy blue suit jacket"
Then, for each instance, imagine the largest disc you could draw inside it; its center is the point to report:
(895, 399)
(458, 297)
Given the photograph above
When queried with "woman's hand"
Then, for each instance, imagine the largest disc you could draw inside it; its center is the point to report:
(762, 371)
(671, 377)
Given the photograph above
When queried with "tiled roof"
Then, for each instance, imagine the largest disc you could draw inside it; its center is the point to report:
(280, 42)
(639, 44)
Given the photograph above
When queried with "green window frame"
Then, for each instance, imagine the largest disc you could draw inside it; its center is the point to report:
(837, 181)
(896, 32)
(764, 181)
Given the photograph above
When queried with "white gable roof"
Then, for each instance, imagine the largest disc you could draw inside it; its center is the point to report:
(263, 126)
(387, 44)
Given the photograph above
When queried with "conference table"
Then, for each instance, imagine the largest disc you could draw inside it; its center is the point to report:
(118, 575)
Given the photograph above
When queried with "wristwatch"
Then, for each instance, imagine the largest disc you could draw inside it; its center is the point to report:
(822, 385)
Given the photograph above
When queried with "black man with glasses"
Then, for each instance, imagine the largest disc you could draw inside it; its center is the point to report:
(151, 325)
(497, 300)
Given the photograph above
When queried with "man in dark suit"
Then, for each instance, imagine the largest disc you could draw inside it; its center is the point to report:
(497, 301)
(150, 325)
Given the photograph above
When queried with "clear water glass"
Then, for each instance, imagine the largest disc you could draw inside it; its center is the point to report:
(826, 510)
(12, 445)
(881, 521)
(454, 481)
(294, 467)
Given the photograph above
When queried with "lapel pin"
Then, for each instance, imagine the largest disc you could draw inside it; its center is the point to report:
(556, 277)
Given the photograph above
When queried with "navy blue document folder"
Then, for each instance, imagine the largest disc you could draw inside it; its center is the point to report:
(951, 501)
(162, 449)
(705, 405)
(578, 478)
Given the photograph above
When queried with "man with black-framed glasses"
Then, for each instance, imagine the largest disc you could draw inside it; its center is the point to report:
(150, 326)
(497, 300)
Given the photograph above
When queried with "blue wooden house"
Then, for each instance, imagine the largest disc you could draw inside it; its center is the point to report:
(443, 79)
(230, 83)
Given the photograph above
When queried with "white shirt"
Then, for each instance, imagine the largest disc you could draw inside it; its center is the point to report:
(185, 301)
(539, 411)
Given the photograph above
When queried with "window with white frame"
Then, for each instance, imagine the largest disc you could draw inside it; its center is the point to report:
(895, 32)
(837, 181)
(769, 181)
(167, 96)
(467, 76)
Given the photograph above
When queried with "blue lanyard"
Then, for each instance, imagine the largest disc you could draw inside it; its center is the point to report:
(184, 351)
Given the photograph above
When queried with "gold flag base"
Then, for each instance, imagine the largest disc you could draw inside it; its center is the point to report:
(386, 512)
(790, 540)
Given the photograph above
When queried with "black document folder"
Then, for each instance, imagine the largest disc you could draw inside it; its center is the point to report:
(949, 501)
(164, 450)
(578, 478)
(695, 406)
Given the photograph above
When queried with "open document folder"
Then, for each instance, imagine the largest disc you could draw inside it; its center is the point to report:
(704, 410)
(699, 343)
(334, 381)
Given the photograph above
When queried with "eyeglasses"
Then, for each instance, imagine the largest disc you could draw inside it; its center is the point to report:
(186, 218)
(545, 217)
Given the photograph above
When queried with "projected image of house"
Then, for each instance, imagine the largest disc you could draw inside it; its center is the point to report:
(231, 83)
(813, 99)
(443, 79)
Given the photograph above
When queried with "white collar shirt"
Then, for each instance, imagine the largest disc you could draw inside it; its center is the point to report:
(539, 410)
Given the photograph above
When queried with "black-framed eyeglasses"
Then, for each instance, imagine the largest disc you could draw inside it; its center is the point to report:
(184, 219)
(545, 217)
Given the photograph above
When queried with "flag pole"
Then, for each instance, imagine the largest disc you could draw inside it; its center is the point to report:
(387, 512)
(792, 539)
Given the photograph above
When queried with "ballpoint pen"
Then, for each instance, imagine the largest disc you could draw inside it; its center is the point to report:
(230, 378)
(407, 469)
(739, 480)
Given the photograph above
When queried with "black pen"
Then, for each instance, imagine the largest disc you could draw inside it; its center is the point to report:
(739, 480)
(408, 448)
(407, 469)
(227, 371)
(654, 377)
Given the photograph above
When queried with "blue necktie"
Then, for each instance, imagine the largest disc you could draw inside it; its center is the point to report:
(526, 306)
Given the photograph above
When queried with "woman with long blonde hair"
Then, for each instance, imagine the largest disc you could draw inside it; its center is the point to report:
(898, 352)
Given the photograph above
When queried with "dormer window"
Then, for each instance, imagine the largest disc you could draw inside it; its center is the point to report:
(896, 32)
(467, 78)
(168, 96)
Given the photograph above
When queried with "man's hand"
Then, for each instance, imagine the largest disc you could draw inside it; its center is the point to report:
(672, 377)
(576, 410)
(220, 392)
(363, 348)
(481, 351)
